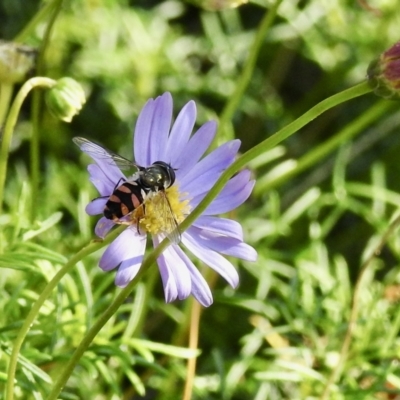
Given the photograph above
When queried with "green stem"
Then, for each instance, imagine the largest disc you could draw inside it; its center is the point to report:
(34, 154)
(91, 334)
(10, 124)
(89, 249)
(354, 128)
(5, 97)
(95, 329)
(36, 108)
(268, 144)
(40, 16)
(248, 69)
(224, 178)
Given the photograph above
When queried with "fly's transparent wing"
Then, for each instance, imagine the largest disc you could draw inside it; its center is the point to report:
(98, 151)
(164, 211)
(171, 223)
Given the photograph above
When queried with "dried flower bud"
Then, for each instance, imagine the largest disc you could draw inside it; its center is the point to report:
(65, 99)
(384, 73)
(15, 61)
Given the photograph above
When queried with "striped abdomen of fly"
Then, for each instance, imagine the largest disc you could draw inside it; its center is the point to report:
(125, 199)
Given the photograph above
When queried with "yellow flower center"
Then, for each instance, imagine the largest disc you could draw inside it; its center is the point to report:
(161, 210)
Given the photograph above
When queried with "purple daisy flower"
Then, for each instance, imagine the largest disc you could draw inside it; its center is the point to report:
(210, 237)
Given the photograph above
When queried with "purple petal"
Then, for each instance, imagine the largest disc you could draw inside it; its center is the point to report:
(236, 192)
(130, 267)
(160, 126)
(223, 244)
(194, 149)
(172, 267)
(152, 128)
(200, 288)
(142, 134)
(222, 226)
(169, 283)
(204, 174)
(180, 133)
(96, 206)
(103, 226)
(127, 246)
(212, 259)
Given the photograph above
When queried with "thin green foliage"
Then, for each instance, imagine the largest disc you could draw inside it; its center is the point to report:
(317, 315)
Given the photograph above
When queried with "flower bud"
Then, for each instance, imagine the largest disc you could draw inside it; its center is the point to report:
(65, 99)
(384, 73)
(15, 61)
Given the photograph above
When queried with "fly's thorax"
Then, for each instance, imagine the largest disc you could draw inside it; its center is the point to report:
(158, 176)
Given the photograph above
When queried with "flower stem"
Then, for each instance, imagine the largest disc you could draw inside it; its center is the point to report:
(268, 144)
(248, 69)
(10, 124)
(90, 335)
(5, 96)
(316, 154)
(193, 344)
(224, 178)
(42, 14)
(36, 108)
(89, 249)
(107, 314)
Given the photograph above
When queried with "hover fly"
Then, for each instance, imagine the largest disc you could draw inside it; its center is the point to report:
(132, 193)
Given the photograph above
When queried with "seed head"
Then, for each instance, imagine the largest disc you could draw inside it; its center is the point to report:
(15, 61)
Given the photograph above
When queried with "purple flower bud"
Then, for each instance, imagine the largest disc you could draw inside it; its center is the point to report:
(384, 73)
